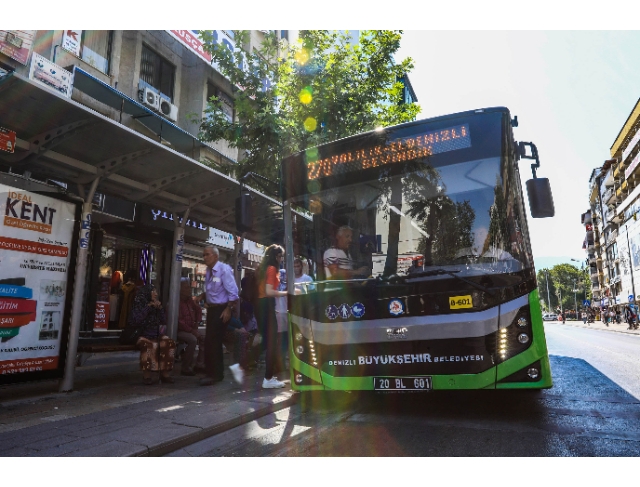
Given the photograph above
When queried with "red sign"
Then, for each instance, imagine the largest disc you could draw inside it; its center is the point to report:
(589, 227)
(101, 320)
(7, 140)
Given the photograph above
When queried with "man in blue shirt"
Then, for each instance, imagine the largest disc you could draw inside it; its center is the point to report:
(221, 296)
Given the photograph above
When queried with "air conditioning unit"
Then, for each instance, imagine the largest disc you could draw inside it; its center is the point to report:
(168, 109)
(149, 98)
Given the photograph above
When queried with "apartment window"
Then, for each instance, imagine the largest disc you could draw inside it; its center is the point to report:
(226, 100)
(157, 72)
(96, 48)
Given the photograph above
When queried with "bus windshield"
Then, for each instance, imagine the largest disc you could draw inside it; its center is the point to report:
(462, 215)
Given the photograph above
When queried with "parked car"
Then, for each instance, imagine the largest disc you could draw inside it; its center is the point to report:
(549, 317)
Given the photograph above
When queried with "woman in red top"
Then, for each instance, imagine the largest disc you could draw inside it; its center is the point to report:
(268, 281)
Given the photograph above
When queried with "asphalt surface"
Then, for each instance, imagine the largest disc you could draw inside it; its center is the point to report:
(593, 410)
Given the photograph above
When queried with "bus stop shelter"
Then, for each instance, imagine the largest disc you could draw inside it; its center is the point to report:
(61, 140)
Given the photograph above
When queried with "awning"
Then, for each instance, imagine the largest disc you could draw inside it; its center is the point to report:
(62, 140)
(179, 139)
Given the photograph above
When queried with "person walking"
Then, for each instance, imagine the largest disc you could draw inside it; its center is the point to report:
(268, 282)
(584, 317)
(220, 296)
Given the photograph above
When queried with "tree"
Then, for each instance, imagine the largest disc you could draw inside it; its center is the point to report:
(321, 89)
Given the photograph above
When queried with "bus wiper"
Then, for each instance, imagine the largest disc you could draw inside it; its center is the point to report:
(440, 272)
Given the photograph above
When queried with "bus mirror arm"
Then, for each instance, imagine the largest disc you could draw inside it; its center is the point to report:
(538, 189)
(522, 153)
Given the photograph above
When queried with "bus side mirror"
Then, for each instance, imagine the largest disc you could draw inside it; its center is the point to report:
(540, 198)
(244, 213)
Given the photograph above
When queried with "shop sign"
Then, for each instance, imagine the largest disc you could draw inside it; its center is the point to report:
(36, 234)
(71, 41)
(7, 140)
(219, 238)
(17, 44)
(50, 75)
(165, 215)
(192, 41)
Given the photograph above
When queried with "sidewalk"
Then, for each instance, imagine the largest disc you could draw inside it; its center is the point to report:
(599, 325)
(111, 413)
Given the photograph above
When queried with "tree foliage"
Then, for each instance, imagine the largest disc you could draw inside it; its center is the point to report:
(561, 280)
(320, 89)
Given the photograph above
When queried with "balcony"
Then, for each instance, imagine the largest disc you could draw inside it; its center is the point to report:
(608, 196)
(586, 218)
(618, 171)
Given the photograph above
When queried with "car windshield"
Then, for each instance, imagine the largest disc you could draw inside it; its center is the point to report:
(459, 217)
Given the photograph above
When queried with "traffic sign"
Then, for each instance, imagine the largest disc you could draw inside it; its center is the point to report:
(586, 302)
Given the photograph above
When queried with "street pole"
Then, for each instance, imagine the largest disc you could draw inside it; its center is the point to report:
(548, 298)
(575, 301)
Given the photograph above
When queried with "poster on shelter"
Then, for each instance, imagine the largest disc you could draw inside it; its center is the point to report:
(35, 245)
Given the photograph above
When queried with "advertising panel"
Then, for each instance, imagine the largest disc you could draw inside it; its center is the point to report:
(17, 44)
(51, 75)
(7, 140)
(35, 245)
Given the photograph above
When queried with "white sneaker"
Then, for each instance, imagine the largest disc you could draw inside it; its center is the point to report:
(272, 383)
(238, 373)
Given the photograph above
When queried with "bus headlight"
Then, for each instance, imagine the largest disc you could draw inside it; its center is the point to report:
(523, 338)
(299, 337)
(299, 349)
(299, 378)
(522, 322)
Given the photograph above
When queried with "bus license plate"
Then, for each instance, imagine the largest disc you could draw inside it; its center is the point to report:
(402, 384)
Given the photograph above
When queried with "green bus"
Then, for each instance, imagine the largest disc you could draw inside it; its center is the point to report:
(416, 241)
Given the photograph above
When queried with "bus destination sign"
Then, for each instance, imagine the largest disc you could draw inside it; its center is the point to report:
(398, 150)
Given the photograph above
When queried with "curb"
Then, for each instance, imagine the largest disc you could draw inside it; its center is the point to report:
(599, 328)
(174, 444)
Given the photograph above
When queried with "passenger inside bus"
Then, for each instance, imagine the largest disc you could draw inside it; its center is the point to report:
(338, 263)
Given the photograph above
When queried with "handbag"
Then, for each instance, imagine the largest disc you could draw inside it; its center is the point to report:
(130, 335)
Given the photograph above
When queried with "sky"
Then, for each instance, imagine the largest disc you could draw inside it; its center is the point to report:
(571, 90)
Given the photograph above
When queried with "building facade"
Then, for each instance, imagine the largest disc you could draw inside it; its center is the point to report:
(171, 77)
(612, 240)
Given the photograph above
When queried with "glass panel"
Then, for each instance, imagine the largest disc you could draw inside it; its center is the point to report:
(458, 217)
(96, 45)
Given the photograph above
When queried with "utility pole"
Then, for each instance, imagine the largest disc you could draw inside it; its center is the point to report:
(548, 298)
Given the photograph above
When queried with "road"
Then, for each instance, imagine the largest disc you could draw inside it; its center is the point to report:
(592, 410)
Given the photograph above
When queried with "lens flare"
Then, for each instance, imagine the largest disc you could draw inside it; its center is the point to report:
(305, 96)
(310, 124)
(302, 56)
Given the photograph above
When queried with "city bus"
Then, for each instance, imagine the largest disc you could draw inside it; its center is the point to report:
(428, 219)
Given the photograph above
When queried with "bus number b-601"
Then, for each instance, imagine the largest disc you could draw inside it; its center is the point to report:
(457, 302)
(402, 383)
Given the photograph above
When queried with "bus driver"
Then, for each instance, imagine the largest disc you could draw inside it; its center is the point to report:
(338, 263)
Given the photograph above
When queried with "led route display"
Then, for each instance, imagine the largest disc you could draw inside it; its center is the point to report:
(398, 150)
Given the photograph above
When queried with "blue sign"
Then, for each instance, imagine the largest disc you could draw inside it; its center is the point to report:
(344, 310)
(357, 310)
(586, 302)
(331, 312)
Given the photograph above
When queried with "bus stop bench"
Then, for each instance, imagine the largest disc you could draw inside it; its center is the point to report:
(89, 346)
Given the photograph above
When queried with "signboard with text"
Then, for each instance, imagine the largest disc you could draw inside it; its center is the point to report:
(17, 44)
(7, 140)
(71, 41)
(36, 235)
(51, 75)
